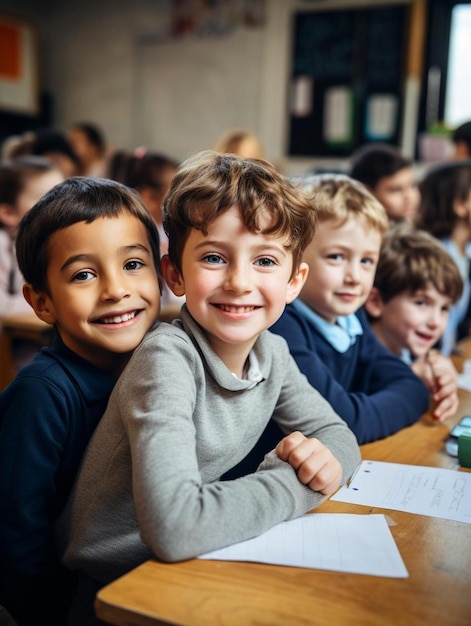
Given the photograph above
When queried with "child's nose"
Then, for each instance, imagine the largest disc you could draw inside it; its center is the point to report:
(237, 279)
(435, 317)
(352, 272)
(115, 287)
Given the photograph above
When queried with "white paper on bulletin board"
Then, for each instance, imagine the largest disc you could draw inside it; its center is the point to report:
(338, 104)
(302, 90)
(381, 113)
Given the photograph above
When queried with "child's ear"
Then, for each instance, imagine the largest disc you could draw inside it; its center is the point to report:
(172, 276)
(374, 304)
(40, 303)
(8, 215)
(297, 283)
(461, 209)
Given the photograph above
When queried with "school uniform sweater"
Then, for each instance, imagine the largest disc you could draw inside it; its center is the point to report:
(375, 392)
(176, 421)
(47, 415)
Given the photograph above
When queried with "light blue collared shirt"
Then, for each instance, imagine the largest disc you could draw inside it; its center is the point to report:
(340, 335)
(406, 356)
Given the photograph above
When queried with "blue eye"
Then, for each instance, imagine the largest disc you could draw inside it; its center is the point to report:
(213, 259)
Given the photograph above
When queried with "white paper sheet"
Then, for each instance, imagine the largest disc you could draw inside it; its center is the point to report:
(464, 379)
(358, 544)
(429, 491)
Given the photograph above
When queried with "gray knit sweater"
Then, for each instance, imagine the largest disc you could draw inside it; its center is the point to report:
(176, 421)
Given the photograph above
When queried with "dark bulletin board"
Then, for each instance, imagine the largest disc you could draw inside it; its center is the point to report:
(347, 77)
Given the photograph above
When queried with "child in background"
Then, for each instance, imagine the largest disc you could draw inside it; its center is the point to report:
(89, 252)
(151, 174)
(54, 145)
(461, 139)
(88, 143)
(416, 284)
(390, 177)
(241, 142)
(22, 182)
(445, 212)
(327, 330)
(197, 393)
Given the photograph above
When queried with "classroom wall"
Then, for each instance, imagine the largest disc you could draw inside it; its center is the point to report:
(112, 62)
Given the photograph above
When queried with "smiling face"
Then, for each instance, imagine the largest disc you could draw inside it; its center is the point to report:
(103, 288)
(411, 320)
(342, 260)
(236, 284)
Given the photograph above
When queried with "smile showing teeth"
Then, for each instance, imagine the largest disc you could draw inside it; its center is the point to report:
(118, 319)
(236, 309)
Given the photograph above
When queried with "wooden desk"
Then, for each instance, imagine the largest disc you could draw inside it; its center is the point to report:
(26, 326)
(436, 552)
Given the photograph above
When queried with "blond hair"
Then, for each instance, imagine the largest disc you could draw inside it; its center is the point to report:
(232, 141)
(339, 197)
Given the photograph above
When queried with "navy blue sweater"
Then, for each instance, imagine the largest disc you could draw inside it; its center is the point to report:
(371, 389)
(48, 414)
(374, 391)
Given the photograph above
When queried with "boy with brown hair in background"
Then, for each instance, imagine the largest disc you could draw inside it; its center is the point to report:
(416, 284)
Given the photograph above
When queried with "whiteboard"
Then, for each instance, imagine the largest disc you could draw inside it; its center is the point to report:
(193, 89)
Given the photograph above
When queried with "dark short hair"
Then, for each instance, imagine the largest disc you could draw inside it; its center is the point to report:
(149, 170)
(77, 199)
(48, 141)
(209, 183)
(92, 133)
(439, 189)
(372, 162)
(463, 134)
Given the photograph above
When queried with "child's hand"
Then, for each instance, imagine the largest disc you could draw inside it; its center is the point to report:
(315, 465)
(438, 373)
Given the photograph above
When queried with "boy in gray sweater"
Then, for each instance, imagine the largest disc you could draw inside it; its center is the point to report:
(198, 393)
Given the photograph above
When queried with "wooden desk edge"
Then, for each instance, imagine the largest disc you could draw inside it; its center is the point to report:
(107, 606)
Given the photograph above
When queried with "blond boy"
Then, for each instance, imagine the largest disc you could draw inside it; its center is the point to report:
(326, 328)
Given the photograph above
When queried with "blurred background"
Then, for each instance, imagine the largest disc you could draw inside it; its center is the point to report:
(313, 79)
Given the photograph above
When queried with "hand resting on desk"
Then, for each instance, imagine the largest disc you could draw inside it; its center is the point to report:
(315, 465)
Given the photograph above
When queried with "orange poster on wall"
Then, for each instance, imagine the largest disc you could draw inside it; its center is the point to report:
(18, 66)
(10, 52)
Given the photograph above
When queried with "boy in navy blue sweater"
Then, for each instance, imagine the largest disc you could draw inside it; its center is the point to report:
(326, 329)
(89, 252)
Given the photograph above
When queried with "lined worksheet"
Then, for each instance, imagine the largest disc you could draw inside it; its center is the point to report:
(432, 491)
(358, 544)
